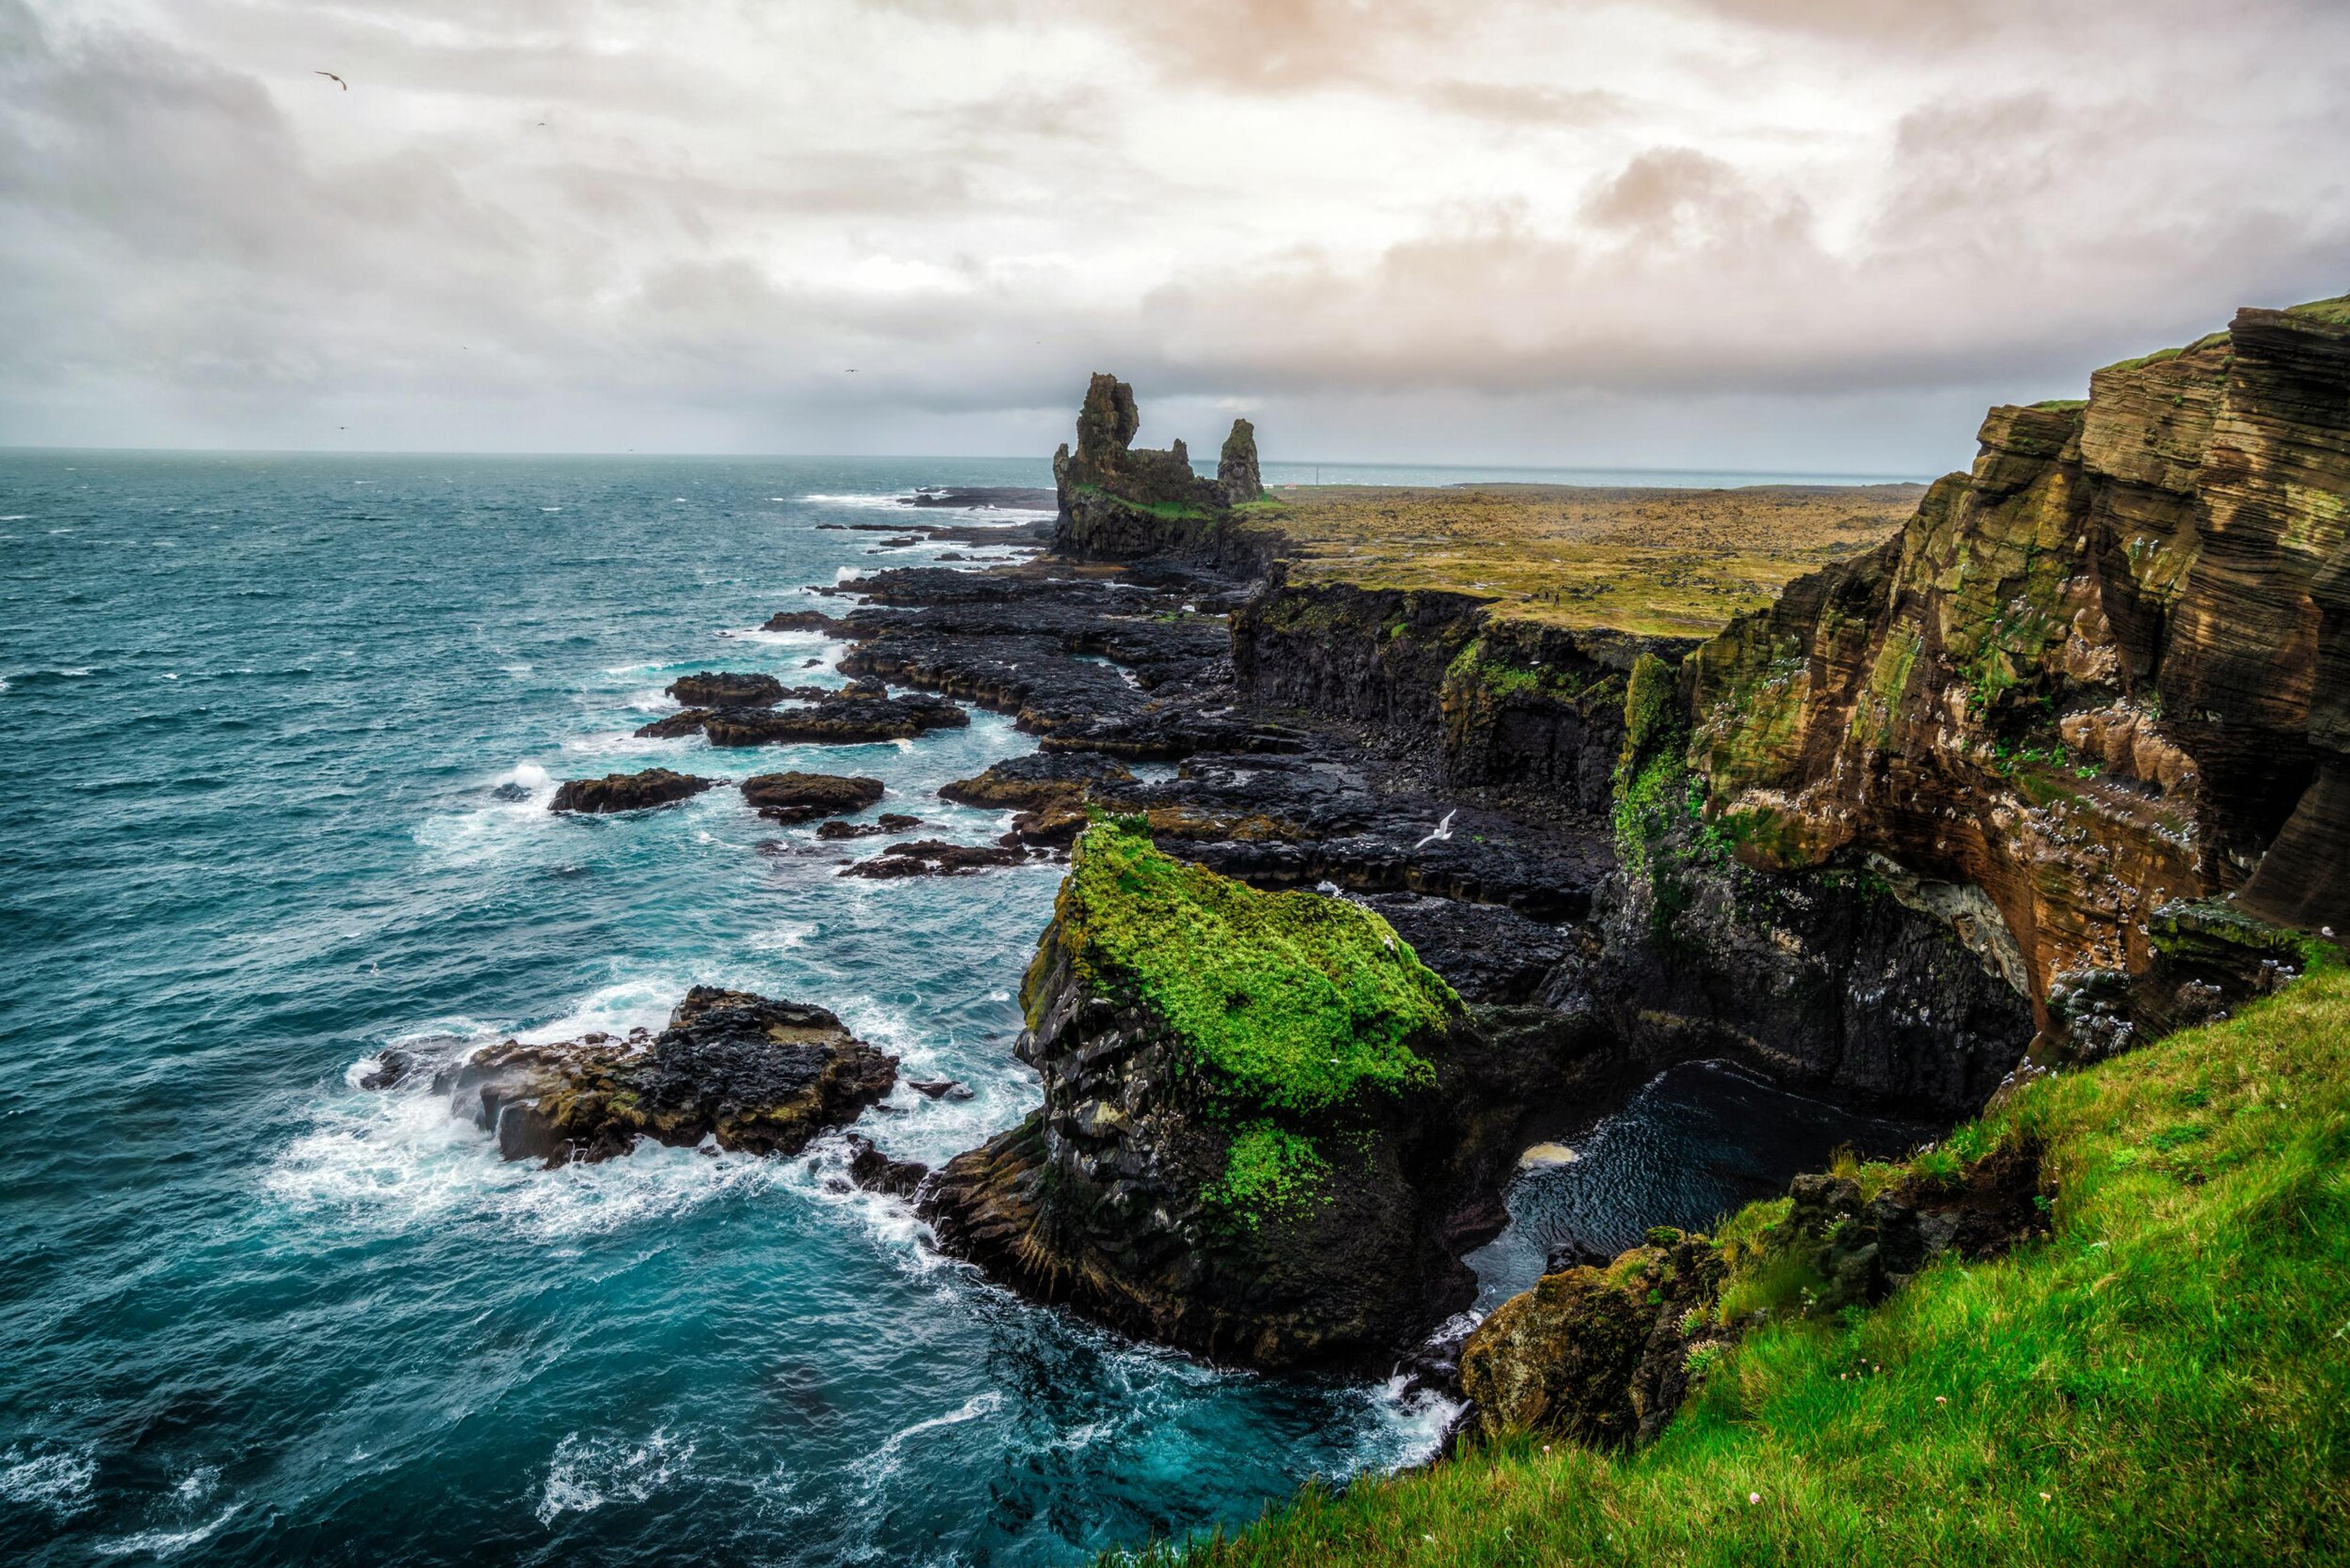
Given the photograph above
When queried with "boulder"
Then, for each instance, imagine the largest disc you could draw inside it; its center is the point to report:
(626, 792)
(876, 1172)
(751, 1072)
(713, 689)
(804, 797)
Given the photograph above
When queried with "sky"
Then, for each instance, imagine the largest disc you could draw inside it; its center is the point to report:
(1818, 235)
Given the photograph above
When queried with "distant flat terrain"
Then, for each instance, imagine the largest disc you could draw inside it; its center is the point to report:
(1654, 561)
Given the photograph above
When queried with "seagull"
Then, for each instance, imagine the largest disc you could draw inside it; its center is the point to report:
(1443, 830)
(334, 78)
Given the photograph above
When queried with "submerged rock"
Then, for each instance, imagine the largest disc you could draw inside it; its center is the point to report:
(934, 858)
(876, 1172)
(803, 797)
(887, 822)
(749, 1072)
(628, 792)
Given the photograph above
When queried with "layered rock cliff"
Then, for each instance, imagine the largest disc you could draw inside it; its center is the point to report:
(2097, 681)
(1118, 502)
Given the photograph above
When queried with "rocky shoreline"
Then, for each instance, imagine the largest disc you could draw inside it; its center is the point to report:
(1366, 882)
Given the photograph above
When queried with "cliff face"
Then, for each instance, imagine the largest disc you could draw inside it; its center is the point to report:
(1118, 502)
(2099, 678)
(1525, 709)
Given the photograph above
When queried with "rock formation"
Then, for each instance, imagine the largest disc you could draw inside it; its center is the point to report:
(717, 689)
(804, 797)
(851, 715)
(753, 1073)
(2098, 682)
(1268, 1132)
(626, 792)
(1118, 502)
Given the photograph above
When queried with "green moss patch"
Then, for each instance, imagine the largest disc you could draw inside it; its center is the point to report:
(1269, 1171)
(1288, 1001)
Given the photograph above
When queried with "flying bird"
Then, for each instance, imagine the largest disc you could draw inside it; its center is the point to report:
(334, 78)
(1443, 831)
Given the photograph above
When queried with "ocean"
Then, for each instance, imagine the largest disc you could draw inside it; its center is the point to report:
(278, 736)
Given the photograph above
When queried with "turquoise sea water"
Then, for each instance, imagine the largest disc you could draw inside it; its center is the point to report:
(256, 717)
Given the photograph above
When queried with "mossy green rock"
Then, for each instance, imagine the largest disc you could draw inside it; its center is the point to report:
(1246, 1142)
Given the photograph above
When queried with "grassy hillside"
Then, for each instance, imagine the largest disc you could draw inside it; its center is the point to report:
(2166, 1379)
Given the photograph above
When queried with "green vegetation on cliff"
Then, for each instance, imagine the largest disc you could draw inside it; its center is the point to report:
(1289, 1002)
(2166, 1378)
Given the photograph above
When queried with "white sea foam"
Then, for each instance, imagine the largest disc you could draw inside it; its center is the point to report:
(784, 937)
(398, 1161)
(886, 1461)
(641, 1002)
(18, 517)
(164, 1543)
(58, 1481)
(586, 1473)
(897, 500)
(1408, 1428)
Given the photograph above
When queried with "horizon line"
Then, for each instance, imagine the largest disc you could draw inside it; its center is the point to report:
(235, 452)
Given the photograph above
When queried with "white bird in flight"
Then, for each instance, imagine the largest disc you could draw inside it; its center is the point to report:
(1443, 830)
(334, 78)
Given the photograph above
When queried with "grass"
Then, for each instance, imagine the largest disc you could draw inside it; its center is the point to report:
(2166, 1379)
(1653, 562)
(1287, 1001)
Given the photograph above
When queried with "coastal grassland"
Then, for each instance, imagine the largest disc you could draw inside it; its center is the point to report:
(2166, 1378)
(1651, 561)
(1289, 1002)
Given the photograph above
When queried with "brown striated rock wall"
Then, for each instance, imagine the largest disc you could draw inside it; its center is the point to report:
(2101, 672)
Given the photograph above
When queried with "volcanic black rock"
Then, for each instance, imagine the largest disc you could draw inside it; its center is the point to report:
(628, 792)
(804, 797)
(751, 1073)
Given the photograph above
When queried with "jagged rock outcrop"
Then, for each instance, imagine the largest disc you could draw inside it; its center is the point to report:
(1268, 1131)
(798, 796)
(1118, 502)
(2102, 676)
(751, 1073)
(626, 792)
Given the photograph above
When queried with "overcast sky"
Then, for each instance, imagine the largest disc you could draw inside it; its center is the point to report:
(1785, 234)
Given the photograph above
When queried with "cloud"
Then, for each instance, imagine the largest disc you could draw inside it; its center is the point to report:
(565, 222)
